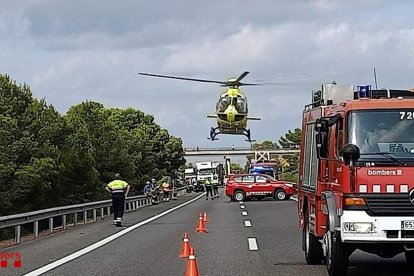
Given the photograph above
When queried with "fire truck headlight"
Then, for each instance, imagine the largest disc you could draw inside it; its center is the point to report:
(359, 227)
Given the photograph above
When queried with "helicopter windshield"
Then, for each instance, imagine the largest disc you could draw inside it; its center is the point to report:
(222, 104)
(241, 105)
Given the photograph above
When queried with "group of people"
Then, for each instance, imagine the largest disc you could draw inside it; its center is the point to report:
(119, 190)
(211, 188)
(152, 190)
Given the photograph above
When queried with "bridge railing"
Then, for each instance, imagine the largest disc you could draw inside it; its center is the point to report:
(90, 210)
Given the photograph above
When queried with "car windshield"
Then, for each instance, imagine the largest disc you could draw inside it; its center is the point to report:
(379, 133)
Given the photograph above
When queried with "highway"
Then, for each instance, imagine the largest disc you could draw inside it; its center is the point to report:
(153, 247)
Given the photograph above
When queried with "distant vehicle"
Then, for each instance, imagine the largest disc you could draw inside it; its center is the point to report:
(190, 174)
(266, 167)
(246, 186)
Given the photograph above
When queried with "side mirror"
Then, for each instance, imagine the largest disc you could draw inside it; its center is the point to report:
(350, 153)
(267, 181)
(322, 145)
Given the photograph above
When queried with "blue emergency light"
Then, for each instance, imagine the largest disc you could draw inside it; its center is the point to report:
(364, 91)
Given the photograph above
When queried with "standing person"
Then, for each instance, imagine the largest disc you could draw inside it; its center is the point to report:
(154, 191)
(174, 189)
(209, 188)
(147, 189)
(215, 187)
(166, 190)
(119, 190)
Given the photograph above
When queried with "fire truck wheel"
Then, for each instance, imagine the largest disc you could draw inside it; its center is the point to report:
(239, 196)
(336, 256)
(312, 246)
(409, 257)
(280, 195)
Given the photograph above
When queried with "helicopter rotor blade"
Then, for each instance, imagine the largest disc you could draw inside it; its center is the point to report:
(244, 84)
(241, 76)
(182, 78)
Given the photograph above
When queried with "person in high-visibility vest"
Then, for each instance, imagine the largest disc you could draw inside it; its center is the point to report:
(209, 188)
(119, 190)
(215, 186)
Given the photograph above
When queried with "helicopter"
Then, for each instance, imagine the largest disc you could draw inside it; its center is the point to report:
(231, 108)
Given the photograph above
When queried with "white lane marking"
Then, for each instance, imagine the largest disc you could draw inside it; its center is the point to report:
(247, 223)
(241, 202)
(242, 206)
(100, 243)
(252, 244)
(294, 198)
(244, 213)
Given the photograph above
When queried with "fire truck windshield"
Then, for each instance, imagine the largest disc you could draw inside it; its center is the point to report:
(383, 131)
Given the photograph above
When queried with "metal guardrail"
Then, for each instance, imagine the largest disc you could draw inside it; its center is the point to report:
(131, 204)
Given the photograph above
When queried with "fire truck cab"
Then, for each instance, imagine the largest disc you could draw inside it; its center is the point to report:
(356, 175)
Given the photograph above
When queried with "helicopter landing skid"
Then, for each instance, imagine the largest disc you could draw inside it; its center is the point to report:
(216, 131)
(247, 134)
(213, 134)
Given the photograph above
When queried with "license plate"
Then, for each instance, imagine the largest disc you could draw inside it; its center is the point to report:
(407, 224)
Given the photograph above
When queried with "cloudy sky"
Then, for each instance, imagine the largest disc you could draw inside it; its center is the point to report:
(72, 51)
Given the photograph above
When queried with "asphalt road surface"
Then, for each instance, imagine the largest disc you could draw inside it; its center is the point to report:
(265, 240)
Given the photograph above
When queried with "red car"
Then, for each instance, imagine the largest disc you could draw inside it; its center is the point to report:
(244, 186)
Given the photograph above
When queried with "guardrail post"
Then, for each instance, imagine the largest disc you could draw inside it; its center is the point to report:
(85, 217)
(50, 225)
(94, 215)
(64, 225)
(75, 219)
(36, 228)
(129, 206)
(102, 213)
(108, 210)
(17, 234)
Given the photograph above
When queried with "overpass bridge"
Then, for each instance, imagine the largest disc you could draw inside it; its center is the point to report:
(233, 151)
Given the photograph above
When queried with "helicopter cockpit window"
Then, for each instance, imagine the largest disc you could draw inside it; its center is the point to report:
(222, 104)
(241, 105)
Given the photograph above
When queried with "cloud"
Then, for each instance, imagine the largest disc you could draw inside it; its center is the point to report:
(73, 51)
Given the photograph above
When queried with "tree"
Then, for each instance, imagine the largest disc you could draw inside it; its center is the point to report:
(291, 139)
(265, 145)
(47, 159)
(235, 167)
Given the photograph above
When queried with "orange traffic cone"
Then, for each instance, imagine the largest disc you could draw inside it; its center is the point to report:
(200, 227)
(185, 246)
(192, 269)
(205, 218)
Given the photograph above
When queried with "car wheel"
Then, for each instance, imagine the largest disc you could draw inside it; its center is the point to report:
(239, 196)
(280, 195)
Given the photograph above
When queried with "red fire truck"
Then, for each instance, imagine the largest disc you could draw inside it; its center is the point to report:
(356, 183)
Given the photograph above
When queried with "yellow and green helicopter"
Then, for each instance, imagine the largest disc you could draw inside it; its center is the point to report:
(231, 108)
